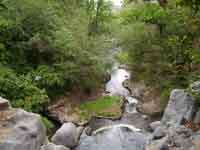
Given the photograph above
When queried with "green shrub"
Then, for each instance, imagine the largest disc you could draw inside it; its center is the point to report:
(122, 57)
(21, 91)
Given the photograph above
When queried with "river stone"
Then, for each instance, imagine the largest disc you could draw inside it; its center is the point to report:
(159, 132)
(195, 87)
(155, 125)
(160, 144)
(67, 135)
(114, 139)
(51, 146)
(4, 104)
(180, 107)
(20, 130)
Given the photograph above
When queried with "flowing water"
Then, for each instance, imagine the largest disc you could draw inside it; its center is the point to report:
(131, 118)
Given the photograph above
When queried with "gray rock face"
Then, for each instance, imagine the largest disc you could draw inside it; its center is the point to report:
(197, 117)
(51, 146)
(180, 106)
(67, 135)
(114, 139)
(4, 104)
(178, 138)
(20, 130)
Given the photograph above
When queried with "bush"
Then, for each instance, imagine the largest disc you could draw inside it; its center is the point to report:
(21, 91)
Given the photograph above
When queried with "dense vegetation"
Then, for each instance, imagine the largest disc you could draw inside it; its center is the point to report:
(162, 41)
(50, 47)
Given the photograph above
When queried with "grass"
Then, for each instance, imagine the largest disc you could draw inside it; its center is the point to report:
(106, 106)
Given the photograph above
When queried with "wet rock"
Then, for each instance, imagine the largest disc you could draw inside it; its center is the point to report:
(4, 104)
(160, 144)
(155, 125)
(80, 130)
(177, 138)
(114, 139)
(20, 130)
(195, 87)
(180, 107)
(67, 135)
(159, 132)
(51, 146)
(137, 119)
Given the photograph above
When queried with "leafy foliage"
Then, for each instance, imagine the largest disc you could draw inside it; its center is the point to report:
(21, 91)
(162, 43)
(46, 49)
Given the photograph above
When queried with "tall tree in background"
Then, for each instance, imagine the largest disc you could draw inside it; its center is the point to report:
(99, 13)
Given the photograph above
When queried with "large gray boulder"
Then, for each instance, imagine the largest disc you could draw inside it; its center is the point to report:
(114, 139)
(52, 146)
(20, 130)
(180, 107)
(67, 135)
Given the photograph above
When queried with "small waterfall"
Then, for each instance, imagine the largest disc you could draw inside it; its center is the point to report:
(130, 106)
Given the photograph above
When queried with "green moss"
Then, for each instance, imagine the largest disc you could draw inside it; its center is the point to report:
(165, 94)
(49, 126)
(122, 57)
(106, 106)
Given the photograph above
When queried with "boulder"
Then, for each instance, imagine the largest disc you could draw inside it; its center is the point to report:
(51, 146)
(67, 135)
(20, 130)
(180, 107)
(4, 104)
(114, 139)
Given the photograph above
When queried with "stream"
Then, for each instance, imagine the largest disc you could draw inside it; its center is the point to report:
(129, 132)
(130, 118)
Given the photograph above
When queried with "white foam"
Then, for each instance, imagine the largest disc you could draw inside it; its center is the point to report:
(130, 127)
